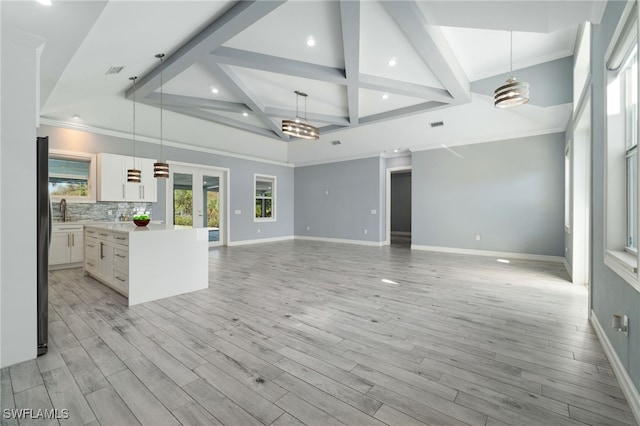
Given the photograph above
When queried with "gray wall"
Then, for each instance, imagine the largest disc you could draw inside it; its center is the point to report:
(335, 200)
(610, 294)
(510, 192)
(401, 202)
(241, 178)
(18, 198)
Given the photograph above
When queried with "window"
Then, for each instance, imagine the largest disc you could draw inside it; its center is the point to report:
(265, 190)
(621, 187)
(72, 176)
(567, 188)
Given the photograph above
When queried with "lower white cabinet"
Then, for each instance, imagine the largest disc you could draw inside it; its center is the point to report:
(107, 258)
(67, 248)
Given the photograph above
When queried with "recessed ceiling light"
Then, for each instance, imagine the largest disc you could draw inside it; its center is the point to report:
(311, 41)
(392, 62)
(76, 116)
(245, 114)
(385, 96)
(214, 90)
(45, 2)
(396, 150)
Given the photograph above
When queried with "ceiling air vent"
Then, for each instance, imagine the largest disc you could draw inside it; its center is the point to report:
(437, 124)
(114, 70)
(336, 142)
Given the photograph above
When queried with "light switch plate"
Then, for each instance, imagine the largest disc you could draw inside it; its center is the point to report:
(238, 211)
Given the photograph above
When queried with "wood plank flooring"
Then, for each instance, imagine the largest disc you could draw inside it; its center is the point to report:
(315, 333)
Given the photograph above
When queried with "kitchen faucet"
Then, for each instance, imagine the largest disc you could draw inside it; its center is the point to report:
(63, 210)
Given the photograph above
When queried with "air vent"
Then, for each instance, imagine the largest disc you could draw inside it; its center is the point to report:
(336, 142)
(437, 124)
(114, 70)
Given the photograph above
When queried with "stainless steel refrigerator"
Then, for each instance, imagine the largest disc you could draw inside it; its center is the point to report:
(44, 236)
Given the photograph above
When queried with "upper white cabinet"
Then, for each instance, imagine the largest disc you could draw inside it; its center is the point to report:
(112, 179)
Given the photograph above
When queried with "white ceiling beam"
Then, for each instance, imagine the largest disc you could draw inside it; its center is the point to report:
(382, 84)
(239, 17)
(350, 18)
(259, 61)
(429, 42)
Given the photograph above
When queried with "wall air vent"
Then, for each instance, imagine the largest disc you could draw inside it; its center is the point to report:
(437, 124)
(336, 143)
(114, 70)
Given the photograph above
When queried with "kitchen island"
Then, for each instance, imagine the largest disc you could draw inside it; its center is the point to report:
(149, 262)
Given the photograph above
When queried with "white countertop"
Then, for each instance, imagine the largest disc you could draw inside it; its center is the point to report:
(131, 227)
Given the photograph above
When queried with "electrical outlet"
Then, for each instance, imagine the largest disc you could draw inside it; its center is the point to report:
(373, 211)
(326, 192)
(477, 237)
(365, 231)
(110, 212)
(238, 211)
(258, 230)
(308, 228)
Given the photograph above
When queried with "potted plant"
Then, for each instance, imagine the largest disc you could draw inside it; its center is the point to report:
(141, 219)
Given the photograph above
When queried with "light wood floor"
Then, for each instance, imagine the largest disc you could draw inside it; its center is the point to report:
(307, 332)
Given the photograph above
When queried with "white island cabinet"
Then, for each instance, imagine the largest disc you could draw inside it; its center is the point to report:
(147, 263)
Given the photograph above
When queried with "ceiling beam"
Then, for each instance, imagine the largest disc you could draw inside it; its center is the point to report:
(429, 42)
(259, 61)
(242, 92)
(350, 18)
(403, 112)
(203, 115)
(382, 84)
(239, 17)
(194, 102)
(313, 117)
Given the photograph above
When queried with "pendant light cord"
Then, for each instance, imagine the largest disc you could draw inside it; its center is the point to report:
(511, 53)
(161, 109)
(134, 119)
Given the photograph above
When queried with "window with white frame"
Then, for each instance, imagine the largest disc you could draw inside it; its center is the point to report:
(265, 197)
(72, 176)
(621, 186)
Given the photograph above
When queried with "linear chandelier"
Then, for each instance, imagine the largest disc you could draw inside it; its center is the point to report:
(514, 92)
(134, 175)
(297, 127)
(160, 168)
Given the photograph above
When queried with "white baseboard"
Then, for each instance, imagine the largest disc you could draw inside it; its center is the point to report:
(628, 387)
(341, 240)
(502, 254)
(568, 268)
(258, 241)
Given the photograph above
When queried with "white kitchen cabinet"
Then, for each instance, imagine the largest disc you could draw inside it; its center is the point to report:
(67, 248)
(107, 258)
(112, 179)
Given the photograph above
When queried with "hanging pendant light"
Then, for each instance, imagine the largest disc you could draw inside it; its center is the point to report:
(514, 92)
(134, 175)
(299, 128)
(161, 169)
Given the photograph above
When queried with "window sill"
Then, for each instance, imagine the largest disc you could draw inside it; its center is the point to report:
(264, 219)
(56, 199)
(625, 265)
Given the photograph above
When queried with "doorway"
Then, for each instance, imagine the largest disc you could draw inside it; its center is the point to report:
(196, 198)
(398, 207)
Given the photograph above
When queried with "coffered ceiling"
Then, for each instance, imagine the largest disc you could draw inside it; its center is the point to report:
(231, 68)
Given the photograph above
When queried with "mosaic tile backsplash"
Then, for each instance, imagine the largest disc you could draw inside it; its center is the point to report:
(101, 211)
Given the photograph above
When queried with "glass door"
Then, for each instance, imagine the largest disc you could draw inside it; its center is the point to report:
(196, 199)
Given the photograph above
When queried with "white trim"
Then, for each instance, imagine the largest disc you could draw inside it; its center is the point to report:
(629, 389)
(568, 268)
(339, 159)
(502, 254)
(622, 263)
(341, 240)
(259, 241)
(141, 138)
(274, 194)
(387, 219)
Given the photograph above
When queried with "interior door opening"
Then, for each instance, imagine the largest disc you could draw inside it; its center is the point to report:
(398, 207)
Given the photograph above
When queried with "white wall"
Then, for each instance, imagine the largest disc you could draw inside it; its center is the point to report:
(19, 111)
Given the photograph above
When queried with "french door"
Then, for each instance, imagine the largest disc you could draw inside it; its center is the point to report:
(196, 199)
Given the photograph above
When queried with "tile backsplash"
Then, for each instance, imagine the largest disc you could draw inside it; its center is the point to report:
(100, 211)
